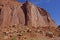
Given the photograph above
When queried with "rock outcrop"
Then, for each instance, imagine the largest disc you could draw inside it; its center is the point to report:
(20, 21)
(13, 13)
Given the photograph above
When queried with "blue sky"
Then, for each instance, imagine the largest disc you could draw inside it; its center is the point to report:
(52, 6)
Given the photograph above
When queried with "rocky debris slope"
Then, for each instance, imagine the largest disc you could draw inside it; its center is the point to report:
(25, 21)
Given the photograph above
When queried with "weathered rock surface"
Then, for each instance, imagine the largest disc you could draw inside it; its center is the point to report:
(13, 13)
(25, 21)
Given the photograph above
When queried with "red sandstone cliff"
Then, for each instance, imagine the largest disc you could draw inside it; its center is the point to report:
(25, 21)
(13, 13)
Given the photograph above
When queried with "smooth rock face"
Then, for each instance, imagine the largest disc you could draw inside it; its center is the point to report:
(13, 13)
(46, 17)
(34, 17)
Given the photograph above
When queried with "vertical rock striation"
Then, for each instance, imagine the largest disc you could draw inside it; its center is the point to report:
(13, 13)
(25, 21)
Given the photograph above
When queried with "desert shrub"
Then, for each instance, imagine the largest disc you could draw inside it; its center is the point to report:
(49, 34)
(59, 35)
(13, 39)
(32, 39)
(59, 26)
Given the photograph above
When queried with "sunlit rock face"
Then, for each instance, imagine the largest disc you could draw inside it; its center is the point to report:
(25, 21)
(13, 13)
